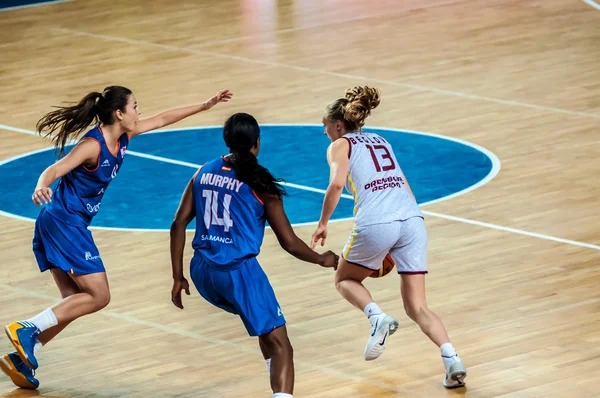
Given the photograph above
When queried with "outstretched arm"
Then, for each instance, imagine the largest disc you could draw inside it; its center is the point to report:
(174, 115)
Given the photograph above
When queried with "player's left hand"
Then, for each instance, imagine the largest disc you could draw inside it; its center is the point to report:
(222, 96)
(178, 286)
(320, 234)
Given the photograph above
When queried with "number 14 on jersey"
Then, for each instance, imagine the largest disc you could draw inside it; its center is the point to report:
(211, 210)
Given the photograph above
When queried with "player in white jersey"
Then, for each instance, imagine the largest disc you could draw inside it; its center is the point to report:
(387, 220)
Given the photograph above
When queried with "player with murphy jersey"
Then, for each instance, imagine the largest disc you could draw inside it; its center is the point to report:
(232, 198)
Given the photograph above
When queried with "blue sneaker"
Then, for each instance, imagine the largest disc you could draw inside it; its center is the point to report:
(23, 335)
(20, 374)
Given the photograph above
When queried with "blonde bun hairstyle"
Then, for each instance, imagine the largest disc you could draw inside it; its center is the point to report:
(355, 107)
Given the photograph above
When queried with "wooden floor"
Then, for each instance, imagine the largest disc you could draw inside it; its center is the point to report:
(518, 78)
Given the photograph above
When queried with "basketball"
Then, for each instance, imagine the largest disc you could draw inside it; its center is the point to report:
(387, 265)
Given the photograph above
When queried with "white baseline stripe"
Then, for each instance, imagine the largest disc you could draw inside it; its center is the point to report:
(593, 4)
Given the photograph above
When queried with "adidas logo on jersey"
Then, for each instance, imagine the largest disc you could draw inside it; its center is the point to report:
(106, 163)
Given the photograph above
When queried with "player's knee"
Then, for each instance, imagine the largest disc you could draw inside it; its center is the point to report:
(101, 300)
(337, 285)
(290, 350)
(69, 292)
(415, 310)
(278, 344)
(284, 348)
(339, 280)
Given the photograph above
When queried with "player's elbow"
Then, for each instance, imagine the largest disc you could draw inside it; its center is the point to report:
(288, 243)
(178, 225)
(336, 186)
(162, 121)
(53, 172)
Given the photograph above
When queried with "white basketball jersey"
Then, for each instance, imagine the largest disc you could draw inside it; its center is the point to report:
(377, 182)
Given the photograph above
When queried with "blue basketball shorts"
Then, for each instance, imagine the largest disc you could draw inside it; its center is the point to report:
(64, 246)
(243, 291)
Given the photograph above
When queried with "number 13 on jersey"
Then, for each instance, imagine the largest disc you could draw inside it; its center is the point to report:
(211, 210)
(388, 161)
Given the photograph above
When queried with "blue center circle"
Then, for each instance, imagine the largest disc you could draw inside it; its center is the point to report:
(158, 165)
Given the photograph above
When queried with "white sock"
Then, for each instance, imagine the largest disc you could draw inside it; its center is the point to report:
(37, 346)
(282, 395)
(449, 355)
(44, 320)
(447, 350)
(372, 309)
(268, 362)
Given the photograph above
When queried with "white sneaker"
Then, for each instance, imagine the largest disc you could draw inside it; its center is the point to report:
(383, 326)
(455, 374)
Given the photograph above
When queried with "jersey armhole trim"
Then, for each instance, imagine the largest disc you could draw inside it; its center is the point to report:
(349, 146)
(257, 198)
(99, 153)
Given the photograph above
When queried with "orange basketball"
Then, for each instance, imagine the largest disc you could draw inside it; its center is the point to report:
(386, 267)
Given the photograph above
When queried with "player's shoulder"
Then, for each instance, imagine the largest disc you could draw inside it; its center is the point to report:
(214, 163)
(339, 147)
(342, 143)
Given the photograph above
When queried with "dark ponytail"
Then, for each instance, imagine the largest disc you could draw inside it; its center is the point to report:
(73, 120)
(241, 133)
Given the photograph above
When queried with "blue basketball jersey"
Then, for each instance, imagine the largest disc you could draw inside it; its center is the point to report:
(78, 194)
(230, 219)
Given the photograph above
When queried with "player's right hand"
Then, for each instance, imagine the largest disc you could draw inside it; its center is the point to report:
(320, 234)
(42, 196)
(329, 260)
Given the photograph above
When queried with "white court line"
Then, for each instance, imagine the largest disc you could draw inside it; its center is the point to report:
(513, 230)
(493, 173)
(495, 161)
(236, 346)
(17, 130)
(363, 17)
(429, 213)
(592, 3)
(303, 187)
(335, 74)
(197, 166)
(44, 3)
(67, 67)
